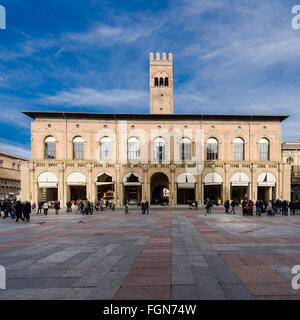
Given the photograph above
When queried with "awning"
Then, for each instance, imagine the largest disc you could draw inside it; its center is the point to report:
(212, 179)
(76, 179)
(132, 184)
(136, 183)
(240, 179)
(266, 179)
(186, 185)
(47, 180)
(103, 183)
(186, 181)
(186, 178)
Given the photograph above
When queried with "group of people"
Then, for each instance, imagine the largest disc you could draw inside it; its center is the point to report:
(145, 207)
(87, 207)
(271, 207)
(16, 210)
(45, 206)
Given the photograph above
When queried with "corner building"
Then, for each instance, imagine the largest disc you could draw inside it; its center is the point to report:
(161, 156)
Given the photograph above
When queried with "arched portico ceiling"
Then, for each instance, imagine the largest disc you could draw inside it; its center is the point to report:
(130, 175)
(47, 180)
(240, 179)
(76, 179)
(266, 179)
(104, 178)
(186, 181)
(213, 178)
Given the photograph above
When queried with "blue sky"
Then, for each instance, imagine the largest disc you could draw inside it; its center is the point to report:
(230, 56)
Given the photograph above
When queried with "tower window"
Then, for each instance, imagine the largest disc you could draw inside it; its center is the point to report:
(156, 82)
(166, 82)
(161, 82)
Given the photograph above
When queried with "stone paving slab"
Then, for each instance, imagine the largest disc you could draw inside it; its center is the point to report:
(169, 254)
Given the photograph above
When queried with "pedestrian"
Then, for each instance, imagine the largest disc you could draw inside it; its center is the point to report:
(233, 205)
(270, 208)
(19, 211)
(226, 206)
(143, 207)
(45, 208)
(40, 207)
(57, 207)
(147, 205)
(27, 211)
(208, 207)
(126, 207)
(250, 206)
(258, 206)
(14, 210)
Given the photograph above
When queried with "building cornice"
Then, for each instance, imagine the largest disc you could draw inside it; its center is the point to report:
(146, 116)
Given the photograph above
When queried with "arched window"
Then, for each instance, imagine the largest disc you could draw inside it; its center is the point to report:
(156, 82)
(161, 82)
(166, 82)
(50, 148)
(78, 148)
(264, 150)
(185, 149)
(238, 149)
(159, 149)
(105, 149)
(133, 149)
(212, 149)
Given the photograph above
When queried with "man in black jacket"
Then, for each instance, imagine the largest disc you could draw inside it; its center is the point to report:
(27, 211)
(19, 211)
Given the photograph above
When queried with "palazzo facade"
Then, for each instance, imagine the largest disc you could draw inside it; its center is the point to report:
(162, 157)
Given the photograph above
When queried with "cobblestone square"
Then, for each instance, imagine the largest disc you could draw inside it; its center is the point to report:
(168, 254)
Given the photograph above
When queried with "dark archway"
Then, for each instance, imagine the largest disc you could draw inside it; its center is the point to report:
(159, 188)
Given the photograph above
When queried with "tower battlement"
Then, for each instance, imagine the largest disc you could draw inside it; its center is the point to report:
(161, 58)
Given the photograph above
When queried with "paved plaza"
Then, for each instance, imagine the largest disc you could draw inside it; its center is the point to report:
(169, 254)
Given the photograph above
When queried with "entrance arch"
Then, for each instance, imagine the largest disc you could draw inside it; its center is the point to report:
(186, 183)
(105, 187)
(239, 186)
(213, 187)
(77, 186)
(48, 186)
(132, 188)
(266, 184)
(159, 186)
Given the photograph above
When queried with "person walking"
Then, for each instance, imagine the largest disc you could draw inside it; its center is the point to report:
(208, 207)
(45, 208)
(57, 207)
(126, 207)
(233, 205)
(250, 206)
(143, 207)
(258, 206)
(270, 208)
(27, 211)
(147, 206)
(19, 211)
(40, 207)
(226, 206)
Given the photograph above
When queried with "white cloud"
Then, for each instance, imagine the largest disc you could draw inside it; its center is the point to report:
(14, 148)
(87, 97)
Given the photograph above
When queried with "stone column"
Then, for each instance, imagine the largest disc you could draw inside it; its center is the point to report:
(145, 185)
(251, 184)
(61, 187)
(120, 194)
(173, 191)
(197, 189)
(89, 184)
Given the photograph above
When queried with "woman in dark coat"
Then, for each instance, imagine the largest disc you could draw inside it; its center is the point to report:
(19, 211)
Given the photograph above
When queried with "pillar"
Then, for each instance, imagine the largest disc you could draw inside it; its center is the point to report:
(173, 189)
